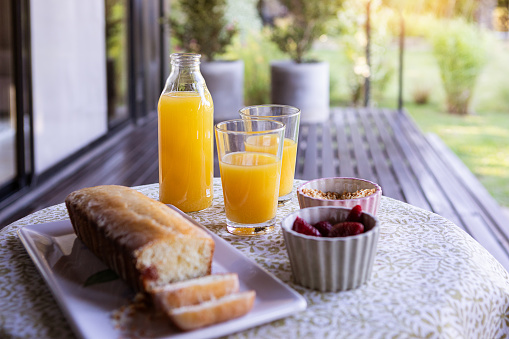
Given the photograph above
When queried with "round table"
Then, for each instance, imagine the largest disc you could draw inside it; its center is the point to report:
(430, 279)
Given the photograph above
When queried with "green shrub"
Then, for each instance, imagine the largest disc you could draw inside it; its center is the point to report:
(421, 94)
(304, 23)
(200, 26)
(460, 53)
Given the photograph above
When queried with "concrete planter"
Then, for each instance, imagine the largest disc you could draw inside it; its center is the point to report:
(305, 86)
(225, 81)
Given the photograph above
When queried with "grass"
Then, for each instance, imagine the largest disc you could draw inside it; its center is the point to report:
(480, 140)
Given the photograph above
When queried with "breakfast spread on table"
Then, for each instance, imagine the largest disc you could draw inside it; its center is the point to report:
(157, 251)
(163, 255)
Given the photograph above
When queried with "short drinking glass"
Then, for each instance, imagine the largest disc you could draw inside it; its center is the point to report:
(290, 116)
(250, 178)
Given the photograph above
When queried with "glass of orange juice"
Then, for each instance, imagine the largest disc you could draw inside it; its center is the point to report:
(290, 116)
(250, 176)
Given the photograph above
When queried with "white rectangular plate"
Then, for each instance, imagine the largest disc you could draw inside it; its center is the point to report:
(65, 264)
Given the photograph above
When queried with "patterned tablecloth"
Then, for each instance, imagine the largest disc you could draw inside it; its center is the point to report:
(430, 280)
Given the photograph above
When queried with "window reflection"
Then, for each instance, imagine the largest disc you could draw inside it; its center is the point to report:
(7, 117)
(116, 52)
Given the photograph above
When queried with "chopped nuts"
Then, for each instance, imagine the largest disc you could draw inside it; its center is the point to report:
(314, 193)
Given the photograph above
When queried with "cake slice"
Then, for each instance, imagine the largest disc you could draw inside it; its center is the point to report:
(212, 312)
(194, 291)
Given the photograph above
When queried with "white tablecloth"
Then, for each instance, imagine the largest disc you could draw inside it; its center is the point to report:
(430, 279)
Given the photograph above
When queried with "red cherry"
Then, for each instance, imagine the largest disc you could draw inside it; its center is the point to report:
(302, 226)
(324, 227)
(355, 214)
(346, 228)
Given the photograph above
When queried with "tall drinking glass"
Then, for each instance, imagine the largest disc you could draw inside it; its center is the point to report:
(250, 177)
(290, 116)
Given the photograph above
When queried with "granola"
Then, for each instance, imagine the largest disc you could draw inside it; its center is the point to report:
(315, 193)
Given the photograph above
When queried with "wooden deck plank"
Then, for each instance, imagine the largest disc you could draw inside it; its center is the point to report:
(433, 193)
(386, 178)
(310, 168)
(328, 159)
(469, 215)
(486, 202)
(467, 210)
(114, 166)
(412, 193)
(35, 198)
(364, 168)
(301, 145)
(150, 175)
(345, 163)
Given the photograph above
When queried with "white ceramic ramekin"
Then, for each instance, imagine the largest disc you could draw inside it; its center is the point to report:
(330, 264)
(339, 185)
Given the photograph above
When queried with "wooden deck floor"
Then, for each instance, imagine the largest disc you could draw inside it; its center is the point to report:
(384, 146)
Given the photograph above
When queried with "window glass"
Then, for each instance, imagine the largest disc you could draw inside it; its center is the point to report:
(116, 64)
(7, 113)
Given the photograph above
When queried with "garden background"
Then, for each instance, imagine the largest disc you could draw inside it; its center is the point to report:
(451, 48)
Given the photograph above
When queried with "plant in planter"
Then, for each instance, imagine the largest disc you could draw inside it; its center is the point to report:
(302, 82)
(461, 54)
(200, 26)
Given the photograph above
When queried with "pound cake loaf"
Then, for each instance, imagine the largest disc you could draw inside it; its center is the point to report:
(144, 241)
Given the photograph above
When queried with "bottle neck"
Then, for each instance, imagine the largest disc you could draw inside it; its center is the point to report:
(186, 60)
(185, 73)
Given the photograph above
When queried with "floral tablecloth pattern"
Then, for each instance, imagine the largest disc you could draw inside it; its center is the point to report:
(430, 280)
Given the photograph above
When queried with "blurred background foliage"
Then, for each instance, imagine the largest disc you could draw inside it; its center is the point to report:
(460, 51)
(300, 24)
(201, 26)
(350, 28)
(451, 48)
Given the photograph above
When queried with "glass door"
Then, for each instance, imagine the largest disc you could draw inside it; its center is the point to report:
(7, 92)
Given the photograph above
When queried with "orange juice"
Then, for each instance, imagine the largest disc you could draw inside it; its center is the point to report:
(268, 144)
(185, 150)
(250, 186)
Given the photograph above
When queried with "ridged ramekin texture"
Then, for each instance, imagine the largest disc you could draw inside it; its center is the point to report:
(330, 264)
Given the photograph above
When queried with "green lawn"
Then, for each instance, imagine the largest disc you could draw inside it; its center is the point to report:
(481, 140)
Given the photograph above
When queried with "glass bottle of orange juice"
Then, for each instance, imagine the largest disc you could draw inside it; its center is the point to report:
(185, 132)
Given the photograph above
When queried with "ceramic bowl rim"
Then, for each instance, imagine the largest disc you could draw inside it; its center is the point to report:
(335, 239)
(377, 188)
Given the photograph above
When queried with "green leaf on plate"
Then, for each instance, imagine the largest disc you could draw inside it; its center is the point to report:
(101, 277)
